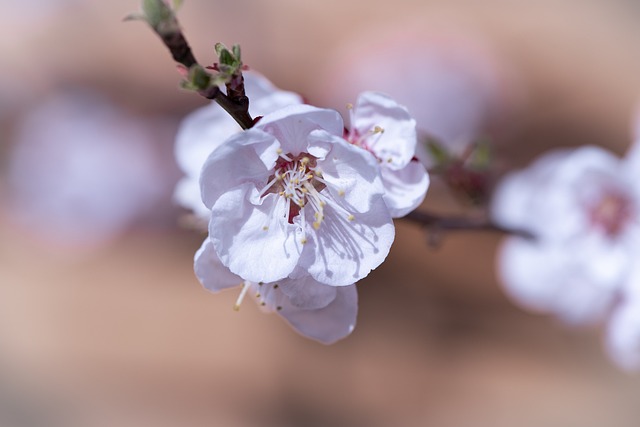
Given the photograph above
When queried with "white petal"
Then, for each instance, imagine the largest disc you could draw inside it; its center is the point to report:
(199, 134)
(548, 198)
(398, 141)
(546, 278)
(623, 336)
(264, 97)
(307, 293)
(344, 250)
(292, 125)
(352, 173)
(252, 236)
(405, 189)
(328, 324)
(187, 194)
(210, 271)
(247, 157)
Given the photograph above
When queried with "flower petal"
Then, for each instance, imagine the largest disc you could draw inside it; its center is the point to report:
(351, 172)
(328, 324)
(623, 335)
(307, 293)
(210, 271)
(246, 157)
(405, 189)
(187, 194)
(292, 125)
(545, 278)
(347, 246)
(253, 239)
(396, 145)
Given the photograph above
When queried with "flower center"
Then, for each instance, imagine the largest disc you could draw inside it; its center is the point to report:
(298, 182)
(612, 213)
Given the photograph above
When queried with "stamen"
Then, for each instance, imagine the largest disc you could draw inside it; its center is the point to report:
(243, 292)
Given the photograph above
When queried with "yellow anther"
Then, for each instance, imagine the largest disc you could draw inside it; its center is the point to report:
(265, 228)
(304, 160)
(258, 295)
(316, 225)
(378, 129)
(351, 217)
(341, 193)
(389, 160)
(349, 106)
(279, 151)
(304, 240)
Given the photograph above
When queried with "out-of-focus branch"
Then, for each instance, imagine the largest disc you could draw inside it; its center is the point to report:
(161, 18)
(440, 223)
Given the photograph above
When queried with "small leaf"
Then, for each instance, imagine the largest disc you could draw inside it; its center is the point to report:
(438, 152)
(236, 52)
(226, 58)
(219, 48)
(481, 158)
(177, 4)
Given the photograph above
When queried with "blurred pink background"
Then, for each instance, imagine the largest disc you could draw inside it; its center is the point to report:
(116, 330)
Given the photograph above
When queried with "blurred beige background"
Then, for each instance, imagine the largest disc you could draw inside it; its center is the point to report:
(122, 334)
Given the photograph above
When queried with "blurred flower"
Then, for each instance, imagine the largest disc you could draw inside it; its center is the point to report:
(207, 128)
(386, 129)
(291, 197)
(322, 312)
(582, 207)
(81, 171)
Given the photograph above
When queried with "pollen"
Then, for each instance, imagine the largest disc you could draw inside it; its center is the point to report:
(351, 217)
(341, 193)
(378, 129)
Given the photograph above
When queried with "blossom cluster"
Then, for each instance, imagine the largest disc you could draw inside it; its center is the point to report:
(299, 208)
(582, 209)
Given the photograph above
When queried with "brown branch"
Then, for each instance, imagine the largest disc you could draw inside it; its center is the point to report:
(440, 223)
(237, 107)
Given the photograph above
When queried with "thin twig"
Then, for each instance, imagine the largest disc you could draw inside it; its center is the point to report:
(237, 107)
(444, 223)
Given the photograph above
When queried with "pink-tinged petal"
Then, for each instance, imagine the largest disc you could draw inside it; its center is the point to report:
(545, 278)
(328, 324)
(347, 246)
(405, 189)
(548, 198)
(199, 134)
(252, 236)
(396, 145)
(307, 293)
(210, 272)
(623, 335)
(292, 125)
(187, 194)
(351, 172)
(264, 97)
(247, 157)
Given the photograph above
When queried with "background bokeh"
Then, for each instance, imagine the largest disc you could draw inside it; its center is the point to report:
(111, 328)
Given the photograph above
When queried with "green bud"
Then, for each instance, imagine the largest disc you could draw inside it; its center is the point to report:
(197, 79)
(481, 158)
(158, 15)
(438, 153)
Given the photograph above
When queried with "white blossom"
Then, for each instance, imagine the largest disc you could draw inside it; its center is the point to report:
(291, 197)
(581, 206)
(384, 128)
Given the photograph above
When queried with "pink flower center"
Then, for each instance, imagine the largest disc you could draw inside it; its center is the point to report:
(612, 213)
